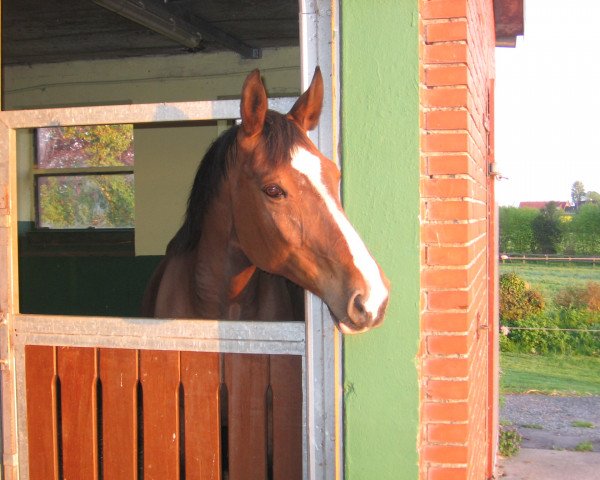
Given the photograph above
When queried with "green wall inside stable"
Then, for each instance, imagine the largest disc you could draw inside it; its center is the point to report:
(100, 279)
(380, 136)
(95, 286)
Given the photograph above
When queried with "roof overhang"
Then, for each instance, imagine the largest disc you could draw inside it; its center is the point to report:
(509, 21)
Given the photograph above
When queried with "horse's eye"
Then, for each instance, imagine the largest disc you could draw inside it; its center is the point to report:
(274, 191)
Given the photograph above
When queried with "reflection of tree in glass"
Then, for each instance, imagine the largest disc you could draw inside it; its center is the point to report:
(103, 145)
(101, 201)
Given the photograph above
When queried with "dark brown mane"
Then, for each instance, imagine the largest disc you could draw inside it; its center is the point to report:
(279, 136)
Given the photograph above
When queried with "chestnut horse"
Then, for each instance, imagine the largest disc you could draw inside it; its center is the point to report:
(265, 211)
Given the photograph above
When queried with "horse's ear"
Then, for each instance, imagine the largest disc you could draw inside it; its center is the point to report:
(253, 106)
(307, 109)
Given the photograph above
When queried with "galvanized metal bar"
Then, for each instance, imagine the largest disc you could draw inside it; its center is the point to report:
(277, 338)
(320, 390)
(21, 420)
(318, 45)
(137, 113)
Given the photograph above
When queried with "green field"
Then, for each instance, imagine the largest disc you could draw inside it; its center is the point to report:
(523, 373)
(576, 375)
(549, 278)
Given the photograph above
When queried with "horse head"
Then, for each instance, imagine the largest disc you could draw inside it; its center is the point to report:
(287, 214)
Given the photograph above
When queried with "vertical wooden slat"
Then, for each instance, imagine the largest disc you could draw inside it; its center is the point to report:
(286, 385)
(200, 376)
(77, 373)
(118, 370)
(247, 380)
(41, 412)
(159, 374)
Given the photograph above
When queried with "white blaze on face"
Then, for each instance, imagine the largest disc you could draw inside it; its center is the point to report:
(309, 165)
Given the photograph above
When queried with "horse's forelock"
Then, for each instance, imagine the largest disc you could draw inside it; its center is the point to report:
(281, 136)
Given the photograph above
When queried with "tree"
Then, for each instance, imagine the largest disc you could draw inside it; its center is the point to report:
(577, 193)
(593, 197)
(516, 232)
(584, 230)
(547, 229)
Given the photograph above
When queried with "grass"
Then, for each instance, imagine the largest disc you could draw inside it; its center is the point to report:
(522, 373)
(582, 424)
(549, 278)
(584, 447)
(532, 426)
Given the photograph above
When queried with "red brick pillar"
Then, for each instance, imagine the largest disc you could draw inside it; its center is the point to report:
(457, 58)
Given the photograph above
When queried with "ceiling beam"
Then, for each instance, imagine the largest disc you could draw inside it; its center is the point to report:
(209, 31)
(156, 18)
(188, 33)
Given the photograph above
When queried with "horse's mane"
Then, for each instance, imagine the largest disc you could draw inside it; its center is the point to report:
(279, 136)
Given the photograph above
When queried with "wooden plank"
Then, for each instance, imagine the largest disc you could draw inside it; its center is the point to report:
(118, 372)
(77, 373)
(159, 374)
(41, 412)
(247, 380)
(286, 386)
(201, 377)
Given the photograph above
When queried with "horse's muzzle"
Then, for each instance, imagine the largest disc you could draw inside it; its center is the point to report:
(359, 319)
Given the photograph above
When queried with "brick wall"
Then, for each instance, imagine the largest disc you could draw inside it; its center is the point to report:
(457, 67)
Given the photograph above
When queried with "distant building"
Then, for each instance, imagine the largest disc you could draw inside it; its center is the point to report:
(566, 206)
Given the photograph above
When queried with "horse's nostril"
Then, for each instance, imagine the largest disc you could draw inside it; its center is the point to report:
(360, 316)
(359, 304)
(357, 311)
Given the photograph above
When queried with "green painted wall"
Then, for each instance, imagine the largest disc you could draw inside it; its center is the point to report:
(96, 286)
(380, 135)
(97, 276)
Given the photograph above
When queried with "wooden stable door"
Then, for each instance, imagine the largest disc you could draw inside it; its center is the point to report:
(125, 414)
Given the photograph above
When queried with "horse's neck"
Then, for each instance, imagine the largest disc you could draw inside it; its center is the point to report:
(226, 284)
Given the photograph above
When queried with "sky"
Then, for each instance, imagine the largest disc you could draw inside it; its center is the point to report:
(547, 104)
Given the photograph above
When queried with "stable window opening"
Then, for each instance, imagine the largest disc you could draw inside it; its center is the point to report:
(84, 178)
